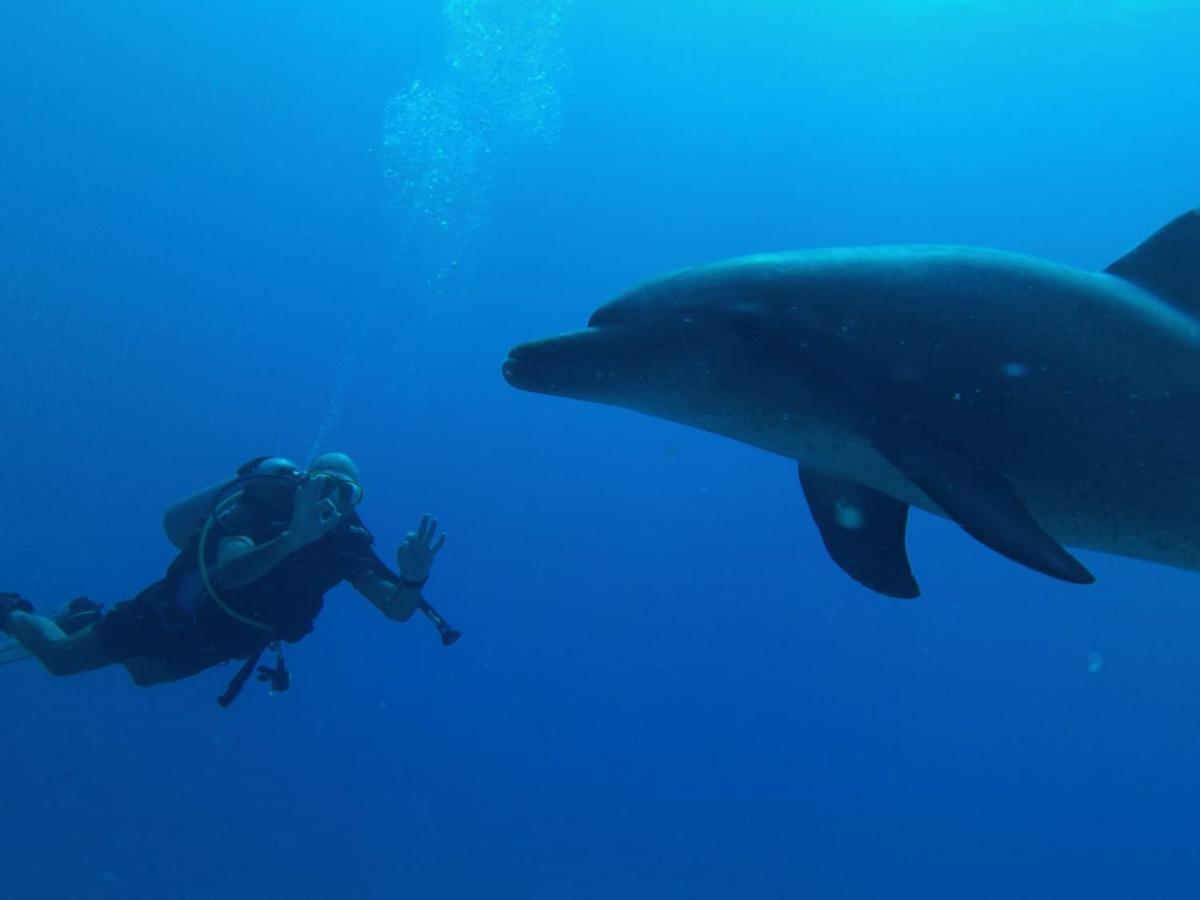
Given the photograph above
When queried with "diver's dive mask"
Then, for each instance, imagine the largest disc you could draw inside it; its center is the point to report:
(344, 491)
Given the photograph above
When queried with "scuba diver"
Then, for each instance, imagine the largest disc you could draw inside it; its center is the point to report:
(258, 552)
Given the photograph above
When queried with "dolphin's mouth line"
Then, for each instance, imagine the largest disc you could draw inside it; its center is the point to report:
(583, 364)
(564, 347)
(531, 366)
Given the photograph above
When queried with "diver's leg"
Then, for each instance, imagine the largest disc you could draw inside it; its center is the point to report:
(60, 653)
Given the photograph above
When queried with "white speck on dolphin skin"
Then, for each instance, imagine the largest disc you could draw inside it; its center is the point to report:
(849, 516)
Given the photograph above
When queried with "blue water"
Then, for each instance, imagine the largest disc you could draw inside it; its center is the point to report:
(229, 229)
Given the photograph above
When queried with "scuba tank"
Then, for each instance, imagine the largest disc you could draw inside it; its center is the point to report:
(269, 480)
(184, 518)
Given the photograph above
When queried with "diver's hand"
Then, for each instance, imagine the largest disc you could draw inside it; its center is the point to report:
(415, 555)
(312, 517)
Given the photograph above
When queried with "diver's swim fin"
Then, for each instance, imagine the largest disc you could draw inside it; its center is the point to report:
(11, 651)
(71, 618)
(11, 603)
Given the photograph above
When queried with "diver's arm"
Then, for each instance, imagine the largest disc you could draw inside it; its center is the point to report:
(240, 561)
(397, 601)
(399, 598)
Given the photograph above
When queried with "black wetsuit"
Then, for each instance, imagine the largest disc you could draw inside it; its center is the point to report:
(175, 621)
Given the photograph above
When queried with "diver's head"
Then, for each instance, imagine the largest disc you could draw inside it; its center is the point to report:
(274, 465)
(334, 464)
(339, 474)
(269, 483)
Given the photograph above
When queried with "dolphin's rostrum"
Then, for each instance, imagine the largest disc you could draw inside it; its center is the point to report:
(1034, 404)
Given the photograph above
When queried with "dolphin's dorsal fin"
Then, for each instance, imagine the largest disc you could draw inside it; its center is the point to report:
(1167, 263)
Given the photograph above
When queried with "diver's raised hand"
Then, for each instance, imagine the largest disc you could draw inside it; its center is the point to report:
(415, 555)
(313, 517)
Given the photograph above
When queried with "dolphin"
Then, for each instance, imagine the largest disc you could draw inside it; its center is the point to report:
(1036, 405)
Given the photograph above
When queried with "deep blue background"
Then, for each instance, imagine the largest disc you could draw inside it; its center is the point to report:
(665, 688)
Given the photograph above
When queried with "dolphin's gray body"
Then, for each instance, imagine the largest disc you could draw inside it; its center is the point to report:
(1035, 404)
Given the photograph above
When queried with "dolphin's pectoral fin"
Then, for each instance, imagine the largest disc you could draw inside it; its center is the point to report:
(983, 503)
(863, 530)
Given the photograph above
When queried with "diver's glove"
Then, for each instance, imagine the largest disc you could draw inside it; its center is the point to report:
(415, 555)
